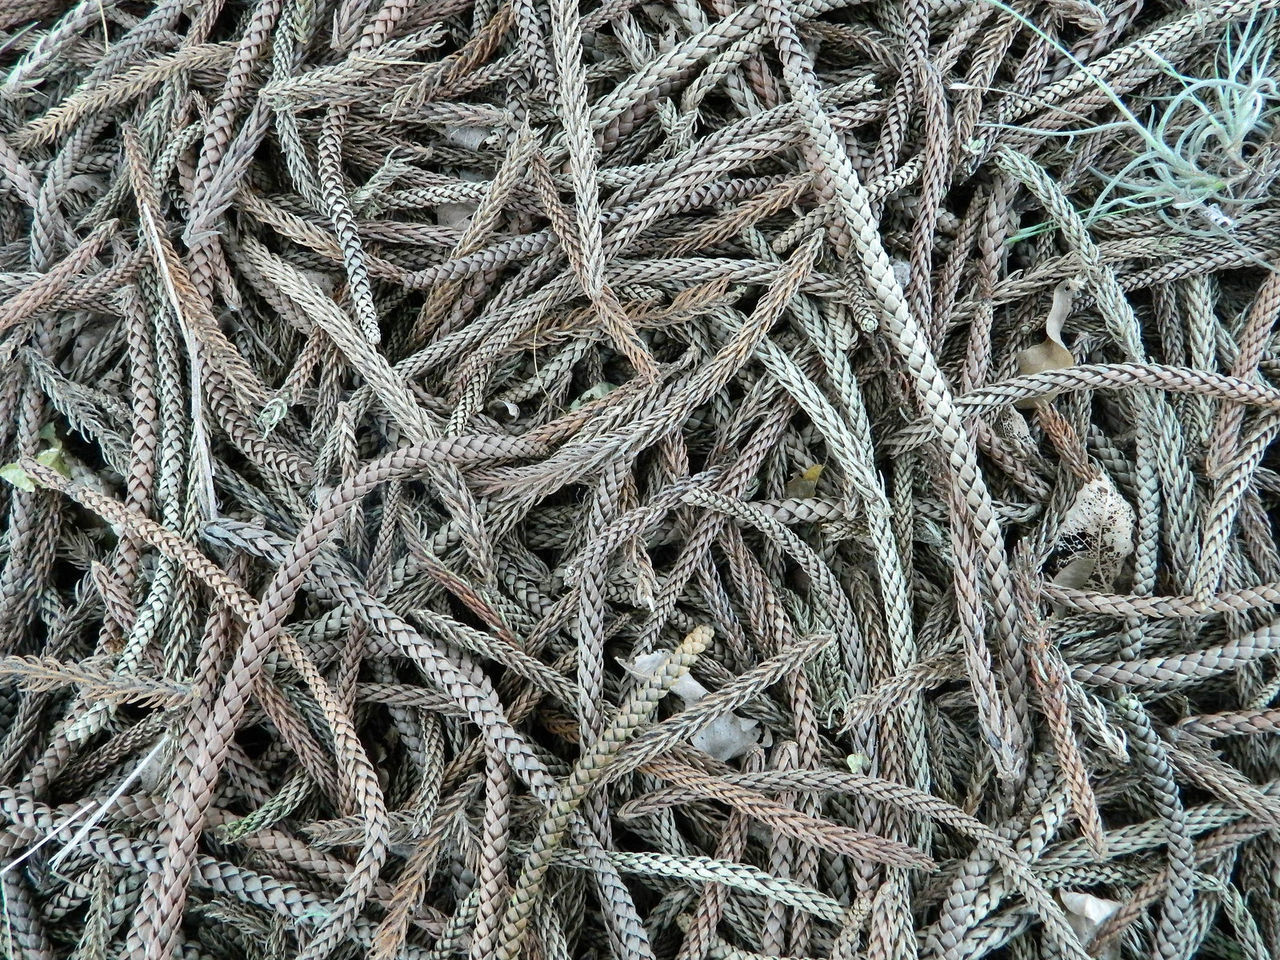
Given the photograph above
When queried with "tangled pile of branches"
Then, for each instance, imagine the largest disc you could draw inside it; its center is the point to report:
(733, 479)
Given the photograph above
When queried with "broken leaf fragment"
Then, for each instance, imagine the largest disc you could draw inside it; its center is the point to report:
(1011, 427)
(273, 414)
(804, 484)
(470, 136)
(1101, 514)
(1076, 573)
(597, 392)
(1096, 534)
(726, 737)
(1087, 913)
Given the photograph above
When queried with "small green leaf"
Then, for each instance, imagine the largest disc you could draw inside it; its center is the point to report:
(596, 392)
(52, 458)
(15, 475)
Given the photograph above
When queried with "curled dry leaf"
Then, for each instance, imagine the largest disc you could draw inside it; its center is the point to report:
(1050, 353)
